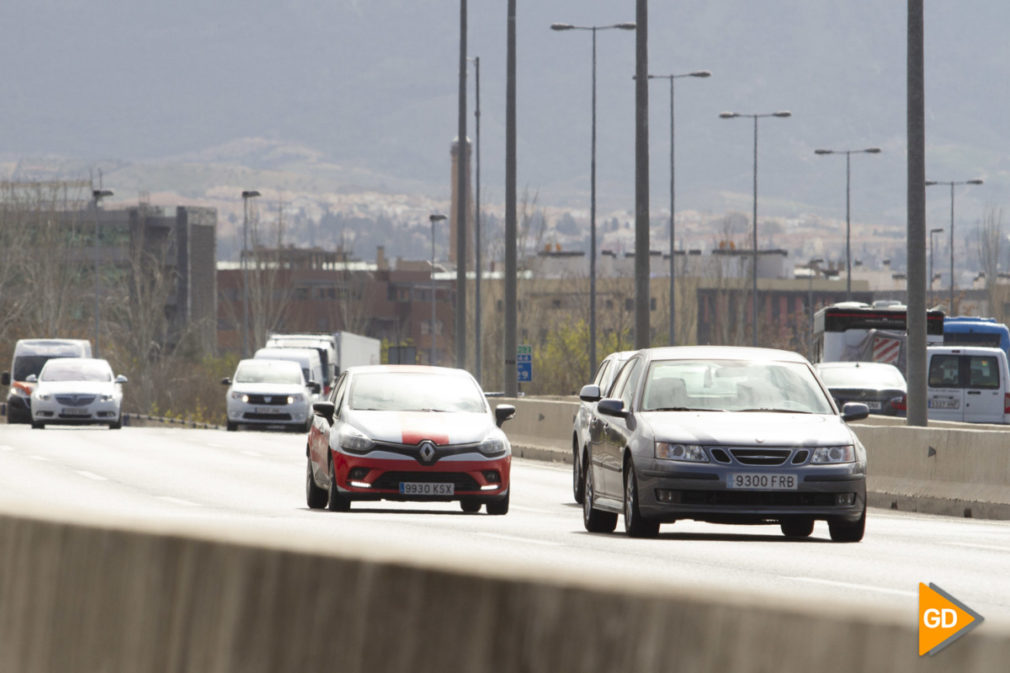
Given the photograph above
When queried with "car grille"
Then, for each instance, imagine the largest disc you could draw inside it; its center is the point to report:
(390, 481)
(75, 400)
(758, 498)
(251, 416)
(268, 399)
(761, 456)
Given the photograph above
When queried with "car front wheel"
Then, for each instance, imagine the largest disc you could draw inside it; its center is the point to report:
(578, 475)
(595, 521)
(634, 524)
(315, 497)
(499, 506)
(335, 501)
(848, 531)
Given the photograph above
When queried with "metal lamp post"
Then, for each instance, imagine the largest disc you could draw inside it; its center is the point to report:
(433, 218)
(97, 195)
(936, 230)
(812, 266)
(246, 195)
(848, 226)
(952, 183)
(476, 223)
(754, 272)
(698, 73)
(592, 188)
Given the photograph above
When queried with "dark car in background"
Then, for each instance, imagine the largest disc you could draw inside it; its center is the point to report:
(724, 435)
(604, 378)
(878, 385)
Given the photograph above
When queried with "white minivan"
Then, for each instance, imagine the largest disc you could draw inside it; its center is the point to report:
(967, 383)
(307, 358)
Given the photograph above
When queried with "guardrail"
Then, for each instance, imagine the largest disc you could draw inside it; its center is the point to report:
(956, 469)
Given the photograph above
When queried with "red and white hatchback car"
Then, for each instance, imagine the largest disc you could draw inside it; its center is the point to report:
(406, 432)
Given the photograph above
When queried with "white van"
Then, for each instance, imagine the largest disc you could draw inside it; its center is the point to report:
(307, 359)
(29, 356)
(969, 384)
(326, 344)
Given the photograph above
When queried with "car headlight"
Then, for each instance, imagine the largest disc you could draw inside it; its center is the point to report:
(354, 441)
(492, 446)
(833, 454)
(295, 398)
(689, 453)
(105, 398)
(240, 396)
(45, 397)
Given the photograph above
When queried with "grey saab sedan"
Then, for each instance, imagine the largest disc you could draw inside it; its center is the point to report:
(724, 435)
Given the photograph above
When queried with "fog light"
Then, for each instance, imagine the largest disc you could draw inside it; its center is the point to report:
(845, 499)
(489, 487)
(360, 484)
(492, 476)
(667, 496)
(358, 473)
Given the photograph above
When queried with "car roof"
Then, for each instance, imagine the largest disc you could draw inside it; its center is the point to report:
(854, 365)
(292, 352)
(721, 353)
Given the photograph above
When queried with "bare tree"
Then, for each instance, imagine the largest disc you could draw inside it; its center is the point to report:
(990, 243)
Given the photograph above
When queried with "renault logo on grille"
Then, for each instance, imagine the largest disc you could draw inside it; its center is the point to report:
(427, 450)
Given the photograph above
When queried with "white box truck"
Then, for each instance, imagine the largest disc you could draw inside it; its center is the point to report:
(354, 350)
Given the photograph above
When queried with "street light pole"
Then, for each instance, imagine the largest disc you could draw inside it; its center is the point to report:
(97, 195)
(592, 187)
(476, 224)
(673, 298)
(952, 183)
(937, 230)
(848, 224)
(754, 252)
(246, 195)
(433, 218)
(812, 266)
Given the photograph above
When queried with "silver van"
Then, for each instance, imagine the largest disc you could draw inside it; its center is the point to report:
(29, 356)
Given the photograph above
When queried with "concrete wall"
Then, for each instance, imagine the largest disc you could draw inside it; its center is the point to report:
(83, 598)
(956, 469)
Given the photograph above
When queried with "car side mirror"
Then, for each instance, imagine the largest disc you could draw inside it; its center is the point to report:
(854, 411)
(5, 379)
(31, 378)
(611, 407)
(121, 379)
(315, 387)
(226, 381)
(503, 412)
(324, 409)
(590, 393)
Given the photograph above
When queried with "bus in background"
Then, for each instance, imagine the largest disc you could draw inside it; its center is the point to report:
(965, 331)
(858, 332)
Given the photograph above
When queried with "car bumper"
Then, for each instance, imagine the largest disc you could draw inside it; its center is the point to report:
(701, 492)
(365, 478)
(281, 414)
(54, 412)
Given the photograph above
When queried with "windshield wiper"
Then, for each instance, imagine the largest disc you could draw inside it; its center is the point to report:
(684, 409)
(774, 411)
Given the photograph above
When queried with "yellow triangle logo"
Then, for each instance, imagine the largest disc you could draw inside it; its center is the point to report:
(942, 619)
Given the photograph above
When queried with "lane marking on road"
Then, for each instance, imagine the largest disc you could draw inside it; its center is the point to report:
(91, 475)
(254, 454)
(177, 501)
(524, 540)
(987, 547)
(4, 447)
(850, 585)
(41, 459)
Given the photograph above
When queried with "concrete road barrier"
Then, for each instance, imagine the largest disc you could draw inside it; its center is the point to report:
(956, 469)
(85, 598)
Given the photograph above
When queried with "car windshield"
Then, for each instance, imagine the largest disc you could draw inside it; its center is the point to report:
(268, 371)
(733, 385)
(76, 370)
(415, 391)
(863, 376)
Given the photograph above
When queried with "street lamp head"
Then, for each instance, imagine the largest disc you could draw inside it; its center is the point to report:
(815, 261)
(700, 73)
(937, 230)
(976, 181)
(930, 183)
(824, 151)
(436, 217)
(782, 113)
(872, 150)
(100, 193)
(562, 26)
(625, 26)
(250, 193)
(728, 115)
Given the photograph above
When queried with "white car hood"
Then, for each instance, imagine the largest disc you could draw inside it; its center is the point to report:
(748, 428)
(269, 389)
(76, 387)
(411, 427)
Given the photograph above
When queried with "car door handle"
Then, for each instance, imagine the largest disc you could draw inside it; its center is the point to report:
(974, 392)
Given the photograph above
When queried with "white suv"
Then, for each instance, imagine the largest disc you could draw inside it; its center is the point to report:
(269, 393)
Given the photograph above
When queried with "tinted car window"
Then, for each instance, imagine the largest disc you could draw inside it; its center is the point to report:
(983, 372)
(944, 371)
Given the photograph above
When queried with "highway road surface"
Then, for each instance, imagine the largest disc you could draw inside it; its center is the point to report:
(214, 481)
